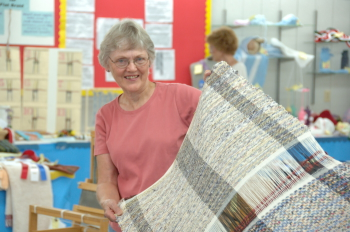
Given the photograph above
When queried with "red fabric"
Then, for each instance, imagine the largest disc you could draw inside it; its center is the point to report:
(143, 143)
(326, 114)
(24, 172)
(30, 154)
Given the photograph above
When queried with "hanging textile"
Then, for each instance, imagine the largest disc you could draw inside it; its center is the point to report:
(245, 164)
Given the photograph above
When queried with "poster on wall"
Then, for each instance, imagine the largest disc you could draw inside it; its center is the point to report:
(104, 24)
(88, 77)
(161, 35)
(85, 45)
(109, 77)
(27, 22)
(80, 25)
(164, 65)
(81, 5)
(160, 11)
(102, 27)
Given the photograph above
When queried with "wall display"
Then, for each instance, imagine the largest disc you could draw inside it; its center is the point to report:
(187, 19)
(159, 11)
(102, 27)
(161, 35)
(88, 77)
(68, 92)
(52, 81)
(80, 25)
(36, 62)
(76, 31)
(68, 117)
(81, 5)
(109, 77)
(69, 65)
(104, 24)
(164, 65)
(9, 62)
(10, 82)
(2, 25)
(86, 46)
(15, 4)
(27, 22)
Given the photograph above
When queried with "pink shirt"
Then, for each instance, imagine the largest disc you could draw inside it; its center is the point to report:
(144, 143)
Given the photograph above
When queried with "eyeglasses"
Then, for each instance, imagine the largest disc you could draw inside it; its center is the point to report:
(123, 62)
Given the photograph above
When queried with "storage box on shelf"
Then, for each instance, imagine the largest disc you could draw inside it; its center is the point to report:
(51, 89)
(10, 83)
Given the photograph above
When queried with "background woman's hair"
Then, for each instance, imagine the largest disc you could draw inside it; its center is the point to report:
(125, 35)
(224, 39)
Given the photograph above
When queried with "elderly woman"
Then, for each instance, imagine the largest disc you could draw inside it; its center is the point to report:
(139, 133)
(223, 44)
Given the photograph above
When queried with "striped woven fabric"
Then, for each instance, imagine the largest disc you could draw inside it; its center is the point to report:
(245, 164)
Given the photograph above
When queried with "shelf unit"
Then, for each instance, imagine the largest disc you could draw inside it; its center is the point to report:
(51, 89)
(10, 83)
(256, 25)
(314, 74)
(279, 60)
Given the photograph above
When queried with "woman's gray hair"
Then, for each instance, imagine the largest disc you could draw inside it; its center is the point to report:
(125, 35)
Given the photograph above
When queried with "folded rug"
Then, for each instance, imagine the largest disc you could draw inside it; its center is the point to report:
(23, 192)
(245, 164)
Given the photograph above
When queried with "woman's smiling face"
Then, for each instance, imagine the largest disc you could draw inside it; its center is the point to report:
(133, 78)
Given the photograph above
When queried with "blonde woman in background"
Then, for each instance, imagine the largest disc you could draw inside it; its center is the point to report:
(223, 44)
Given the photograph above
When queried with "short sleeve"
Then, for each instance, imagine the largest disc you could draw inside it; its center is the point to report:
(100, 135)
(187, 98)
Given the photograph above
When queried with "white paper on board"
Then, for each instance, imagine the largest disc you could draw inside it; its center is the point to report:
(159, 11)
(87, 81)
(13, 21)
(85, 45)
(42, 5)
(102, 27)
(164, 65)
(80, 25)
(139, 21)
(109, 77)
(161, 35)
(81, 5)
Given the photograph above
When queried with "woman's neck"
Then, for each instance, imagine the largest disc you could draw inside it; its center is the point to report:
(132, 101)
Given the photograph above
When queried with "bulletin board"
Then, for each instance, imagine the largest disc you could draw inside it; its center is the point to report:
(27, 22)
(188, 33)
(188, 27)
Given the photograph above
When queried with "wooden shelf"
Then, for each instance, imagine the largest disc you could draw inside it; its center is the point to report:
(255, 25)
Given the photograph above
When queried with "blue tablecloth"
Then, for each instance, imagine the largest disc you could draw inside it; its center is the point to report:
(337, 147)
(65, 190)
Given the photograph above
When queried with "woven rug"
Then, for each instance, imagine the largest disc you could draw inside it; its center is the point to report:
(245, 164)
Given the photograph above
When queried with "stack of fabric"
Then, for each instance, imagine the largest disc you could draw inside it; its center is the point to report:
(332, 35)
(28, 183)
(245, 164)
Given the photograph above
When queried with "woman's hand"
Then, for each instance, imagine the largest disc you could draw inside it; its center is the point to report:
(111, 209)
(206, 74)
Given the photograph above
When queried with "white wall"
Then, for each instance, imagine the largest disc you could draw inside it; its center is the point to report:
(331, 13)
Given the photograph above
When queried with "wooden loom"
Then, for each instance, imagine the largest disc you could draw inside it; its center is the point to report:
(87, 216)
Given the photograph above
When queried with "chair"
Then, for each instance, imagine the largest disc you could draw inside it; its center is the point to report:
(88, 211)
(88, 193)
(81, 222)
